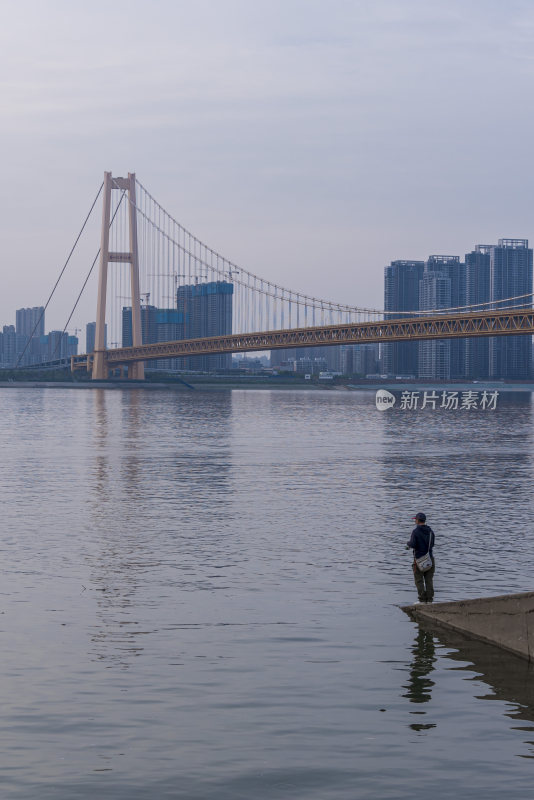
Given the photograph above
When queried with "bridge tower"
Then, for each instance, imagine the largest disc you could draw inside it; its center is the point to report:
(136, 370)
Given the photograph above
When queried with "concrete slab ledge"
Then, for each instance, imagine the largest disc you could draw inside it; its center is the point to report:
(505, 620)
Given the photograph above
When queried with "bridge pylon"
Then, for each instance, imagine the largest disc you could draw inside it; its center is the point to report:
(136, 370)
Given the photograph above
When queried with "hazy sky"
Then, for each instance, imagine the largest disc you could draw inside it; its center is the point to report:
(310, 141)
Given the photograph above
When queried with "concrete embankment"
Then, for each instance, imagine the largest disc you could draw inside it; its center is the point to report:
(506, 620)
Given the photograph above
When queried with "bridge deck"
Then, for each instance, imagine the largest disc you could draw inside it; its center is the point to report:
(442, 326)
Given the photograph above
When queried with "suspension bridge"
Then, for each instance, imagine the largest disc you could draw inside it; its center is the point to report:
(146, 254)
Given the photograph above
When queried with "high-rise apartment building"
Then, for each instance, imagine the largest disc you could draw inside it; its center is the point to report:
(148, 325)
(207, 311)
(157, 325)
(477, 280)
(510, 357)
(30, 321)
(169, 328)
(203, 310)
(58, 344)
(29, 327)
(435, 355)
(9, 349)
(401, 293)
(442, 286)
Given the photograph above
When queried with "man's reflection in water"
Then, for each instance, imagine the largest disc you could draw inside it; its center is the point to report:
(499, 676)
(419, 685)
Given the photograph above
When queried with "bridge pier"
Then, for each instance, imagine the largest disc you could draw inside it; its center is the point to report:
(100, 370)
(136, 371)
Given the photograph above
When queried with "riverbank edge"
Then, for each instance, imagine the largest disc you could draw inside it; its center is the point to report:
(218, 385)
(149, 385)
(503, 620)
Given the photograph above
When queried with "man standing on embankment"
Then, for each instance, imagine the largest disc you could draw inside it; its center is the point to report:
(422, 543)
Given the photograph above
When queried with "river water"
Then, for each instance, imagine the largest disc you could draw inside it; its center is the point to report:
(200, 592)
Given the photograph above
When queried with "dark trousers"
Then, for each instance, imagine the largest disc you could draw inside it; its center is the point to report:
(424, 582)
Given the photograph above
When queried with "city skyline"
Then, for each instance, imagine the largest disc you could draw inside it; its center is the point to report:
(440, 282)
(26, 343)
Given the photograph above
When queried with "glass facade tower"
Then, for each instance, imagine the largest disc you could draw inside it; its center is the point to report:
(401, 293)
(510, 274)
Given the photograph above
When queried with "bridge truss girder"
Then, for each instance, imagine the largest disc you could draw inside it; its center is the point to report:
(442, 326)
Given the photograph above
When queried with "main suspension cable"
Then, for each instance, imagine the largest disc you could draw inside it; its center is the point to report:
(277, 291)
(60, 276)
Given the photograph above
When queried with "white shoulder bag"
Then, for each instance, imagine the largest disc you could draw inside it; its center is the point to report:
(424, 563)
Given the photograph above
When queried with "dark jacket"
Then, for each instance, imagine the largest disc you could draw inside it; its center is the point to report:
(419, 540)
